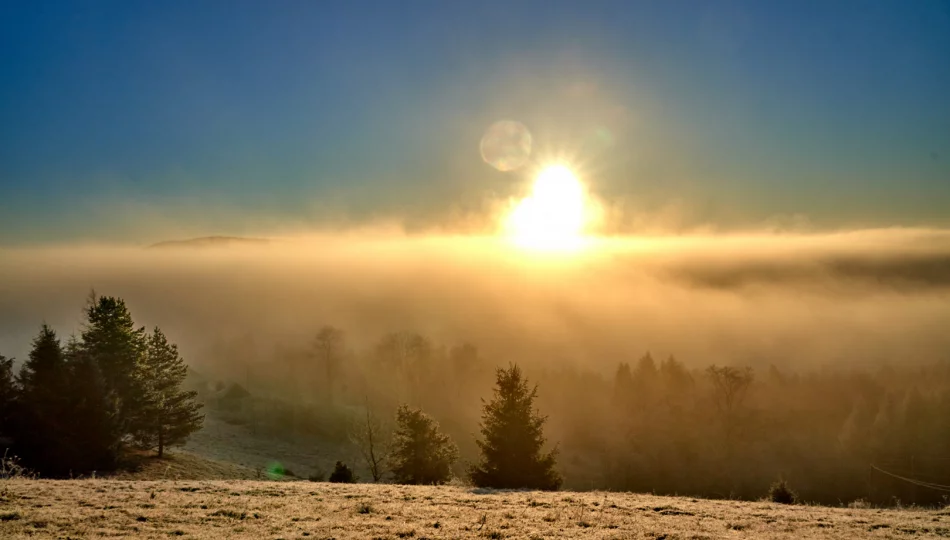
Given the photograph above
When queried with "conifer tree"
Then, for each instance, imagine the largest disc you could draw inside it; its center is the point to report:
(512, 439)
(112, 342)
(169, 414)
(421, 454)
(41, 435)
(8, 391)
(93, 428)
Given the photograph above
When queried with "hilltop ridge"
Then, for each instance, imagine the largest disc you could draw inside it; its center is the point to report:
(209, 241)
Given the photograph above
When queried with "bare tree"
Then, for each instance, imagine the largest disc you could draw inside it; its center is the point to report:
(328, 348)
(370, 437)
(730, 388)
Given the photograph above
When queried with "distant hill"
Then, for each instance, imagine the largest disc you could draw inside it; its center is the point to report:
(210, 241)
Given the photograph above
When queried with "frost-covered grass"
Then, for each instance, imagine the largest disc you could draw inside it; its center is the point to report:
(261, 509)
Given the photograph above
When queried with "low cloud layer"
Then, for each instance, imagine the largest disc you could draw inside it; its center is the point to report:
(791, 300)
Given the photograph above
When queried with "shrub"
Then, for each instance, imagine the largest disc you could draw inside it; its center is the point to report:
(342, 474)
(319, 475)
(364, 508)
(779, 492)
(10, 468)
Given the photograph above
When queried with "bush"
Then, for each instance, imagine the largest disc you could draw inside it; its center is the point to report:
(780, 493)
(364, 508)
(342, 474)
(10, 468)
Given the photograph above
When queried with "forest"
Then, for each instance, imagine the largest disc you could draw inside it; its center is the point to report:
(834, 435)
(75, 408)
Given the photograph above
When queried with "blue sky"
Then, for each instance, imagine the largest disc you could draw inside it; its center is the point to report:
(118, 119)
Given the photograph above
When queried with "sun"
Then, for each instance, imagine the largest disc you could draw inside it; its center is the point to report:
(553, 216)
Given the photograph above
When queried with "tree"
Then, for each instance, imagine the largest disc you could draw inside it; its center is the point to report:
(421, 454)
(112, 342)
(93, 428)
(645, 376)
(407, 356)
(369, 438)
(512, 439)
(8, 391)
(40, 435)
(730, 386)
(342, 474)
(44, 373)
(623, 387)
(169, 414)
(676, 380)
(328, 347)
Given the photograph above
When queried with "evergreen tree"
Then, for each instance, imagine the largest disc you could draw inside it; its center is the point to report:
(623, 386)
(40, 433)
(645, 376)
(8, 391)
(93, 427)
(512, 439)
(421, 454)
(342, 474)
(169, 414)
(112, 342)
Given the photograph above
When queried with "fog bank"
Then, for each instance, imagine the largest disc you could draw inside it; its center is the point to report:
(793, 300)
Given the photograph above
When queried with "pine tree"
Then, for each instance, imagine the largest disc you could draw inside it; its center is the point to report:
(512, 439)
(421, 454)
(40, 433)
(623, 387)
(169, 414)
(112, 342)
(93, 428)
(8, 391)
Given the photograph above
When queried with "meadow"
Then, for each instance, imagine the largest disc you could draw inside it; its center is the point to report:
(96, 508)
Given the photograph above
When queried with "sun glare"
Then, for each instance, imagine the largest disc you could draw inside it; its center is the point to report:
(552, 217)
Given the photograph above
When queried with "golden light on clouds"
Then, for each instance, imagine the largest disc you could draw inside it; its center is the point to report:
(553, 216)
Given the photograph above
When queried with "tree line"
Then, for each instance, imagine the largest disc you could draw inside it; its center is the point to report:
(660, 426)
(76, 407)
(647, 425)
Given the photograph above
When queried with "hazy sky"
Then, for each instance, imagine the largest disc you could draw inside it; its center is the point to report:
(136, 120)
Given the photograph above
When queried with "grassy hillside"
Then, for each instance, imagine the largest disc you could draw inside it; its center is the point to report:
(255, 509)
(183, 465)
(223, 442)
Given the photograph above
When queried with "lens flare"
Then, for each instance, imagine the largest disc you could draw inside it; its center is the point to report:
(552, 217)
(506, 145)
(275, 470)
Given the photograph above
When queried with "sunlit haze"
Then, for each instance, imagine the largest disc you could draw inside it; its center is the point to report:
(686, 250)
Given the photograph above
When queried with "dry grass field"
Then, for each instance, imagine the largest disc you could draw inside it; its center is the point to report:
(261, 509)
